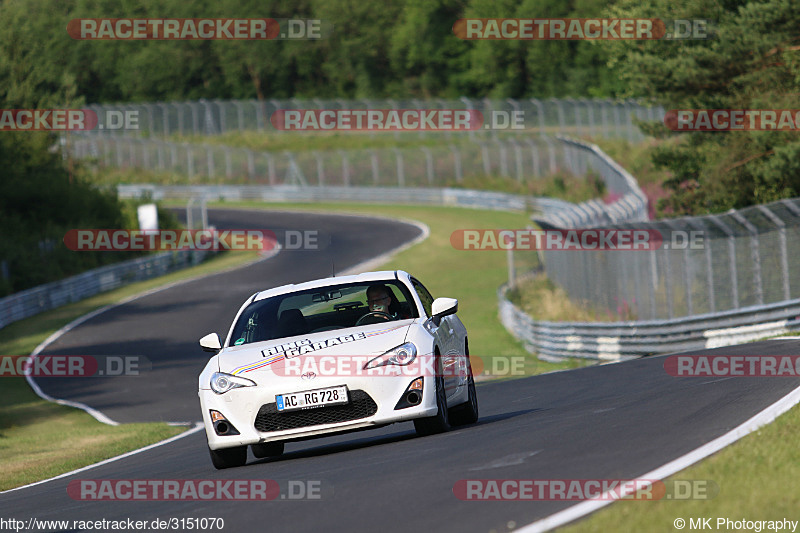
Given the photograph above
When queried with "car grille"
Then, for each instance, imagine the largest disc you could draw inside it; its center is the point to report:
(361, 406)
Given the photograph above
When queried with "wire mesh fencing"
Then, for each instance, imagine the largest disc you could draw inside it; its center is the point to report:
(424, 166)
(578, 117)
(695, 265)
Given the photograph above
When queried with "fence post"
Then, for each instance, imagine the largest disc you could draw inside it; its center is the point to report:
(561, 121)
(189, 161)
(782, 242)
(345, 168)
(540, 113)
(251, 164)
(590, 109)
(239, 114)
(503, 158)
(373, 157)
(687, 269)
(401, 176)
(487, 168)
(668, 283)
(512, 275)
(277, 105)
(228, 162)
(517, 158)
(457, 163)
(577, 112)
(211, 170)
(551, 152)
(754, 253)
(695, 223)
(731, 257)
(271, 173)
(320, 168)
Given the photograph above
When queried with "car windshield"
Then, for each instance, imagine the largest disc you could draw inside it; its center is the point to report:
(323, 309)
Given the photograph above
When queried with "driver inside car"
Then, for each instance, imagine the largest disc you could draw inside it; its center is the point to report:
(381, 300)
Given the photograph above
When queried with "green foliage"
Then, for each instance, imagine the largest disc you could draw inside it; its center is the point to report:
(752, 62)
(39, 203)
(395, 48)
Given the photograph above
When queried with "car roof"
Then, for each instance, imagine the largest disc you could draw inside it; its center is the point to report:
(382, 275)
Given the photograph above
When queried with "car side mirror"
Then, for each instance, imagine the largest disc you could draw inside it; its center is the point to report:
(211, 343)
(444, 306)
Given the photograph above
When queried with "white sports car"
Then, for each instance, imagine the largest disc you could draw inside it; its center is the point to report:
(331, 356)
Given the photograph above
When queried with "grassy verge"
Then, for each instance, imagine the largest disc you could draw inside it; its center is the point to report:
(348, 140)
(755, 477)
(637, 159)
(544, 300)
(39, 439)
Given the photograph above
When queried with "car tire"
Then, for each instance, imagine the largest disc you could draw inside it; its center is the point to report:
(440, 422)
(267, 449)
(466, 413)
(228, 457)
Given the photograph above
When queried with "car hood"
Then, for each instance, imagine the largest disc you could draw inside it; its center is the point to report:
(268, 356)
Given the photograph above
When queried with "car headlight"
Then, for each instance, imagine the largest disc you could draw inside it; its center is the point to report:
(222, 383)
(402, 355)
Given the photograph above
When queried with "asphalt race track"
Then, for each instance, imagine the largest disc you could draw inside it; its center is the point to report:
(608, 422)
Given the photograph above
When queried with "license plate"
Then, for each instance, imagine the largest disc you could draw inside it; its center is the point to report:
(312, 398)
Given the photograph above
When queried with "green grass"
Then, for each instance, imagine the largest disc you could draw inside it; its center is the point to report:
(757, 480)
(275, 141)
(305, 141)
(39, 439)
(544, 300)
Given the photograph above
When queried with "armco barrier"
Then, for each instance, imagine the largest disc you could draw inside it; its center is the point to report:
(30, 302)
(614, 341)
(543, 208)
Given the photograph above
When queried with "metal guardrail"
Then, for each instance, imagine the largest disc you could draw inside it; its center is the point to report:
(631, 203)
(543, 208)
(614, 341)
(30, 302)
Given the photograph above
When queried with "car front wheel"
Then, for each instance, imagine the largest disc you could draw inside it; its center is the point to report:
(440, 422)
(228, 457)
(466, 413)
(267, 449)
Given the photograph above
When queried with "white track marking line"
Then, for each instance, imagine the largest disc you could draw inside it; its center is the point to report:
(198, 426)
(584, 508)
(99, 416)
